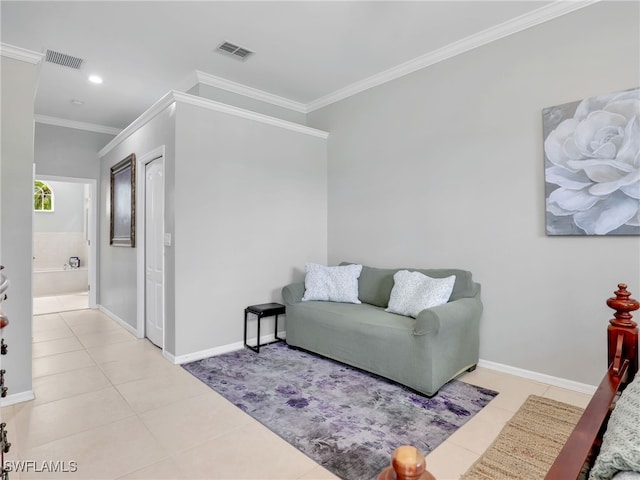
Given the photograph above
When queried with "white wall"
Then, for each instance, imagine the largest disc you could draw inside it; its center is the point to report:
(68, 213)
(246, 207)
(68, 152)
(251, 209)
(71, 153)
(118, 272)
(60, 234)
(444, 168)
(16, 207)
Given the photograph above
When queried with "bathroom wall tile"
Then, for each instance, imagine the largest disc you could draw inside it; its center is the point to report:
(53, 249)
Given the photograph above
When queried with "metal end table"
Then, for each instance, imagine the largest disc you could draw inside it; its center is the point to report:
(262, 311)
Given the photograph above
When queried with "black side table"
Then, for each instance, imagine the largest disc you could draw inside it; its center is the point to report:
(261, 311)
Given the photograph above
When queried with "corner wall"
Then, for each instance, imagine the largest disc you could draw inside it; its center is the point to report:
(118, 265)
(444, 168)
(16, 213)
(251, 209)
(245, 205)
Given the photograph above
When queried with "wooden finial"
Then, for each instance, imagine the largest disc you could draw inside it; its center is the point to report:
(622, 303)
(407, 463)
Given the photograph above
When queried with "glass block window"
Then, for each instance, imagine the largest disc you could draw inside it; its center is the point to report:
(42, 197)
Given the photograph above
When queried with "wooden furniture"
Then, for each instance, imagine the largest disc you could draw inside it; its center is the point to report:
(407, 463)
(622, 341)
(262, 311)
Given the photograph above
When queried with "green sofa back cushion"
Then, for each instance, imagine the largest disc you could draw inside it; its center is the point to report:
(375, 284)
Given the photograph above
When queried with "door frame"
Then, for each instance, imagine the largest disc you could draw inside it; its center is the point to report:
(141, 164)
(92, 229)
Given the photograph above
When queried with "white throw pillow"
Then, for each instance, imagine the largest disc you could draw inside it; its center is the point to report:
(332, 284)
(412, 292)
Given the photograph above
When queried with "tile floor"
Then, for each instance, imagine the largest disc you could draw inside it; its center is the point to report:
(114, 405)
(60, 303)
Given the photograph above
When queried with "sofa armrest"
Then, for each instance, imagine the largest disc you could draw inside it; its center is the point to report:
(451, 314)
(293, 293)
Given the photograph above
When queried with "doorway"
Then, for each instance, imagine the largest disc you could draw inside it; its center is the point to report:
(64, 246)
(150, 198)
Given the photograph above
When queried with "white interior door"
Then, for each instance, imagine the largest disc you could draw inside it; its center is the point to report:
(154, 251)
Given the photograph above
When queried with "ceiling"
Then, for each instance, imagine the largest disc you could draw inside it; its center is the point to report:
(305, 51)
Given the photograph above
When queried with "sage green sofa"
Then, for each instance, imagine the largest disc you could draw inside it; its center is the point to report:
(422, 353)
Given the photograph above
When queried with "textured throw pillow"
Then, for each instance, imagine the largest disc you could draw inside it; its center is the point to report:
(332, 284)
(620, 450)
(412, 292)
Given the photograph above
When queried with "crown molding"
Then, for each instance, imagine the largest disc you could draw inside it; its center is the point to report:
(234, 87)
(518, 24)
(62, 122)
(139, 122)
(175, 97)
(251, 115)
(19, 53)
(188, 82)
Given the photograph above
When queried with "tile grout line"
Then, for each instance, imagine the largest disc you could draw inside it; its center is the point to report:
(111, 384)
(139, 415)
(96, 364)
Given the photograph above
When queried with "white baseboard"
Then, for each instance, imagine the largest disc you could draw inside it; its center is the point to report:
(539, 377)
(17, 398)
(119, 321)
(169, 357)
(231, 347)
(212, 352)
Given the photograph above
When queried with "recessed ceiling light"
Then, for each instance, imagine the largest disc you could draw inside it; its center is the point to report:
(76, 102)
(95, 79)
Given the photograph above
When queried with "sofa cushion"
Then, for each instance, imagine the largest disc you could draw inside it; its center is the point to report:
(413, 292)
(375, 284)
(333, 284)
(363, 318)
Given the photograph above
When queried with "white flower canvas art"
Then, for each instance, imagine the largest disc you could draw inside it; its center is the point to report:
(592, 165)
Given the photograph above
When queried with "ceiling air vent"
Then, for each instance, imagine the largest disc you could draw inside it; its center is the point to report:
(64, 59)
(234, 50)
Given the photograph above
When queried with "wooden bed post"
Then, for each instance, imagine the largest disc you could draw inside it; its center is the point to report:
(622, 346)
(622, 333)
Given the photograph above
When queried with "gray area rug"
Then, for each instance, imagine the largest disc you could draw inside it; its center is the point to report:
(347, 420)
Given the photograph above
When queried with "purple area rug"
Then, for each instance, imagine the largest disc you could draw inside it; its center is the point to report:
(347, 420)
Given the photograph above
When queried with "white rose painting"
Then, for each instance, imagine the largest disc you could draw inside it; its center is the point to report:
(592, 165)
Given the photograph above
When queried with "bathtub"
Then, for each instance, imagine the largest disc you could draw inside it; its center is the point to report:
(58, 281)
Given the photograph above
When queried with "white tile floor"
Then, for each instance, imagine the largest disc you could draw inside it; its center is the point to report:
(114, 405)
(60, 303)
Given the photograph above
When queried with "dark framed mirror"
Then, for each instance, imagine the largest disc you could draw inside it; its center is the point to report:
(123, 203)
